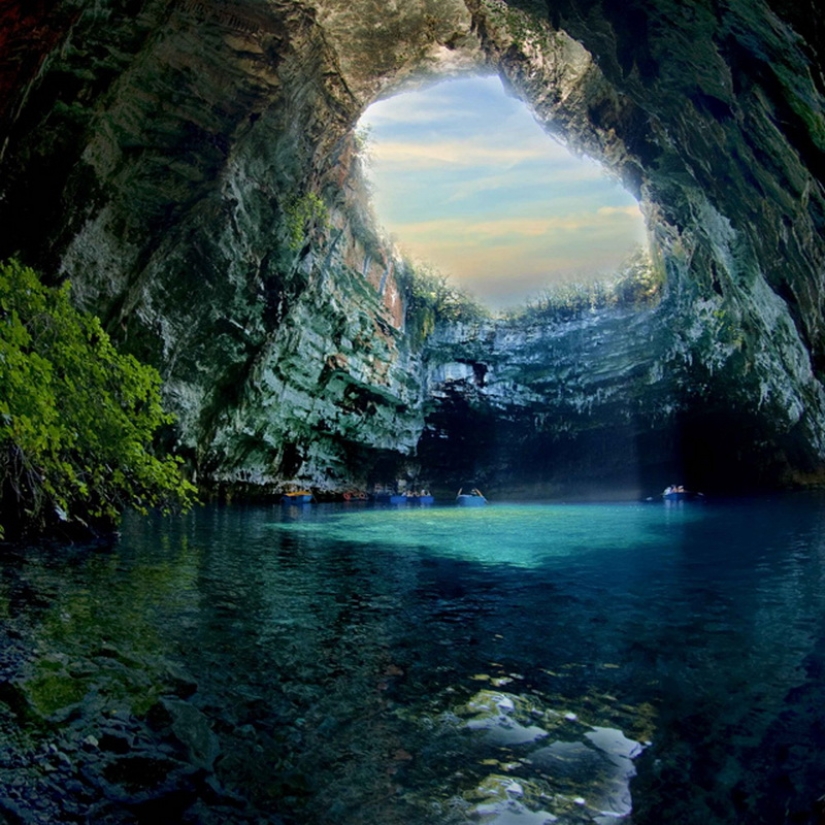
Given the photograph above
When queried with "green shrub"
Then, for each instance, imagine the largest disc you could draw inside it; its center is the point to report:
(301, 213)
(77, 418)
(638, 283)
(431, 299)
(640, 280)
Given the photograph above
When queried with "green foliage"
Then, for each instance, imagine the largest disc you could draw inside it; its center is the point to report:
(638, 283)
(76, 416)
(431, 300)
(302, 212)
(640, 280)
(363, 138)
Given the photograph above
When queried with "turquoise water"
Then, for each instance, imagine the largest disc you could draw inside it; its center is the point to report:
(514, 664)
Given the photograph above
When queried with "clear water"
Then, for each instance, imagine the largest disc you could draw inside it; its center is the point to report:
(512, 665)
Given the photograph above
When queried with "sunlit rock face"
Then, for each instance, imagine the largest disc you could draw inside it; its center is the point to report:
(607, 403)
(164, 156)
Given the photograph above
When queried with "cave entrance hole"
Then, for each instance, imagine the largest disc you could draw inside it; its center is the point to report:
(467, 181)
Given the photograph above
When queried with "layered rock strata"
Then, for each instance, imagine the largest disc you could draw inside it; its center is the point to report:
(610, 403)
(189, 166)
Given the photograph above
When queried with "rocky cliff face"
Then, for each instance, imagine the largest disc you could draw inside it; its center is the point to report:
(190, 166)
(611, 402)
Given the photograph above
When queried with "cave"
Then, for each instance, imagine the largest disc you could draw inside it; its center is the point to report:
(192, 168)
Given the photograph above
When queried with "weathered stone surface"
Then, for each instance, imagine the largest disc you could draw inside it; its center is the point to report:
(191, 729)
(611, 402)
(155, 152)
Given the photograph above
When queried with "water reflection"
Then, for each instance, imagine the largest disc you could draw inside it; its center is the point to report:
(516, 664)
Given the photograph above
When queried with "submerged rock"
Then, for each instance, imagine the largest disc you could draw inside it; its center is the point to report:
(191, 729)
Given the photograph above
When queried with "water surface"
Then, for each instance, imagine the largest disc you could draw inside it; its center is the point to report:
(513, 664)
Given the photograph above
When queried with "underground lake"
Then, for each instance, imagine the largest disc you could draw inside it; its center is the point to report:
(197, 300)
(353, 663)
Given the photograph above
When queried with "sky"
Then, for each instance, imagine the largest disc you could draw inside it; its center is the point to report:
(465, 179)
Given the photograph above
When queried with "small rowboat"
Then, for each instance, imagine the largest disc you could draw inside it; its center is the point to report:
(385, 497)
(679, 493)
(472, 499)
(422, 497)
(297, 497)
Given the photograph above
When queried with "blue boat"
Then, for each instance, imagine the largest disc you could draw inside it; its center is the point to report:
(472, 499)
(298, 497)
(422, 497)
(385, 497)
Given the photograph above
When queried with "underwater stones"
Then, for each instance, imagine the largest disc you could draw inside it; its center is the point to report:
(14, 696)
(178, 682)
(559, 768)
(192, 730)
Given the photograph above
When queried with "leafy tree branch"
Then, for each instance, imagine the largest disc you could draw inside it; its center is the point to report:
(77, 418)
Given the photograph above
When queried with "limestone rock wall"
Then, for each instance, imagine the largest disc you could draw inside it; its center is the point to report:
(160, 162)
(536, 407)
(611, 402)
(159, 153)
(687, 103)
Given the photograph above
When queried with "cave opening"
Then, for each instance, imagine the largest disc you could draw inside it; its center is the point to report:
(246, 192)
(467, 181)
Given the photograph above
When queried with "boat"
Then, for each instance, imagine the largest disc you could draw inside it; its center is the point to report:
(472, 499)
(386, 497)
(422, 497)
(679, 493)
(682, 495)
(297, 497)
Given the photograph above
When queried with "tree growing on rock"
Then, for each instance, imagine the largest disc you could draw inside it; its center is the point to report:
(77, 418)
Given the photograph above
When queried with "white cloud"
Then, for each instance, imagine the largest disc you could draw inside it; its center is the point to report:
(438, 103)
(504, 260)
(607, 211)
(557, 182)
(466, 179)
(464, 229)
(452, 153)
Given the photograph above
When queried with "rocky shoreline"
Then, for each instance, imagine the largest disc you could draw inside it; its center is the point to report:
(105, 759)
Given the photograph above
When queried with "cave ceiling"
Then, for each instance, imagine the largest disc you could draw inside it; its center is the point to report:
(151, 149)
